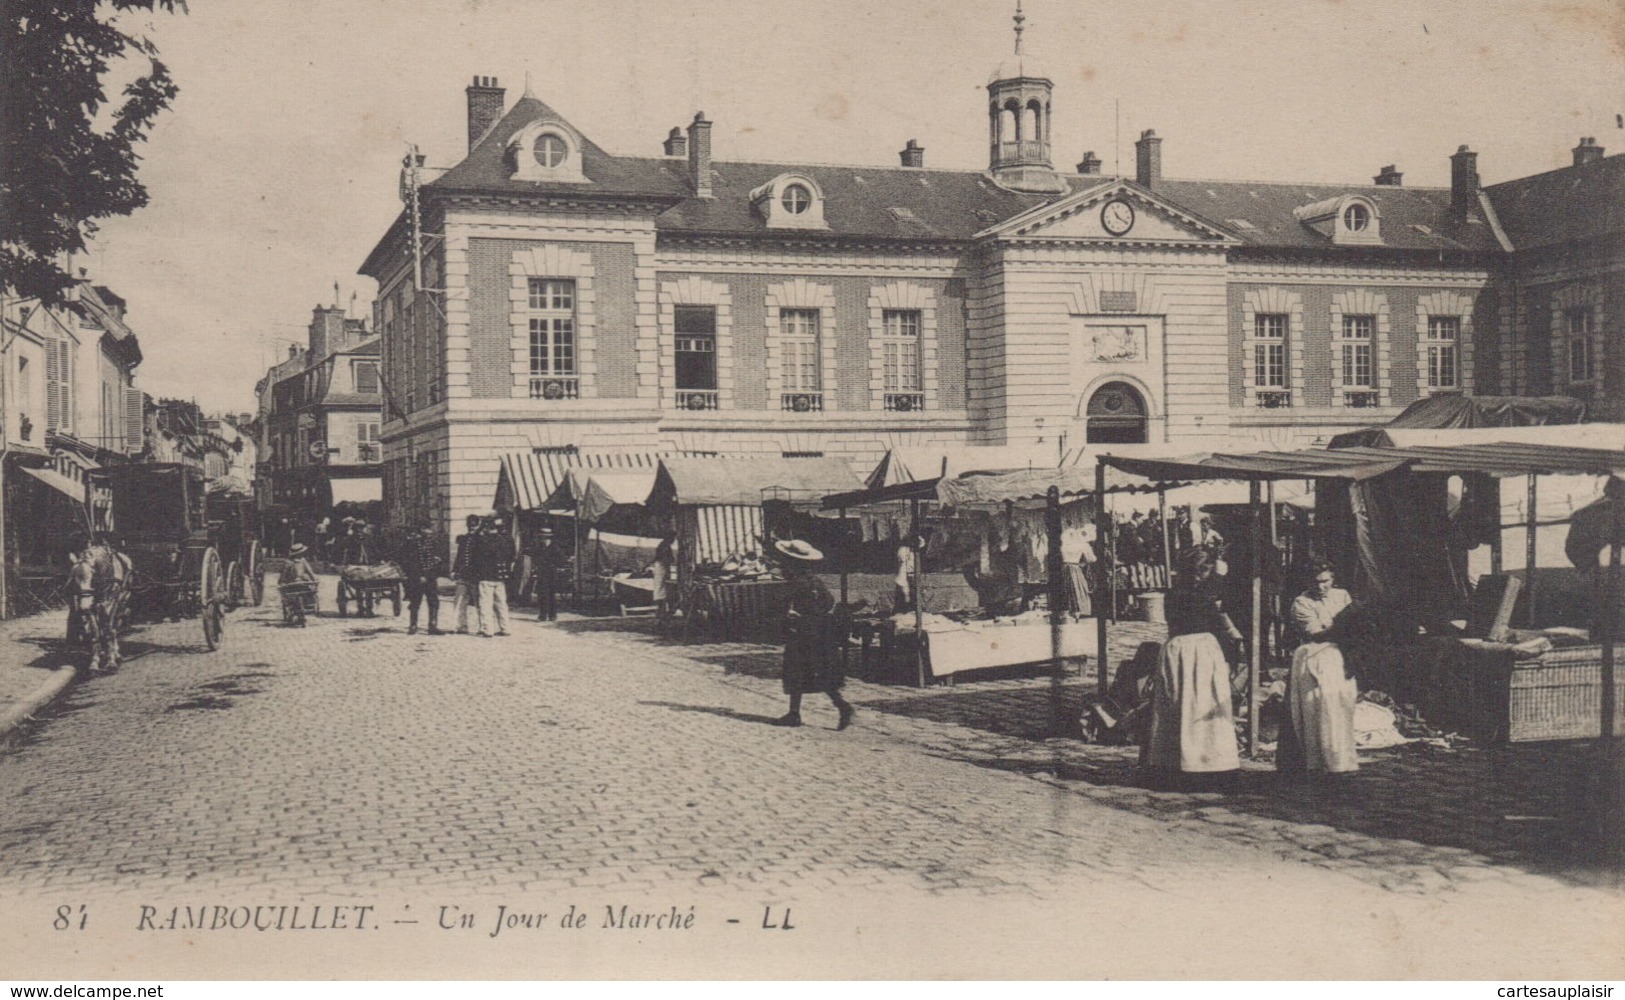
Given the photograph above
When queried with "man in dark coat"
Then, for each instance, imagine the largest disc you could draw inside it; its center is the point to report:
(420, 561)
(462, 574)
(493, 558)
(812, 661)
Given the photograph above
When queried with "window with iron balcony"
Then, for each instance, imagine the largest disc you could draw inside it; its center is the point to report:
(801, 385)
(1269, 361)
(1356, 356)
(552, 339)
(900, 333)
(694, 357)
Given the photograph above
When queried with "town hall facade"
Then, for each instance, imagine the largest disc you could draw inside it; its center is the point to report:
(568, 298)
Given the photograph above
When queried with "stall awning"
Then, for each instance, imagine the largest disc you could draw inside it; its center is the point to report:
(526, 479)
(706, 482)
(1603, 436)
(912, 465)
(986, 488)
(1498, 459)
(606, 490)
(73, 490)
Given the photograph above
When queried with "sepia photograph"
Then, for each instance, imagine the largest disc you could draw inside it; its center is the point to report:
(752, 490)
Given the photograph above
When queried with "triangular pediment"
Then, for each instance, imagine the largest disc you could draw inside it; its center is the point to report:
(1112, 212)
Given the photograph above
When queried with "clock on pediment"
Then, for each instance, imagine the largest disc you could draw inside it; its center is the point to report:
(1117, 217)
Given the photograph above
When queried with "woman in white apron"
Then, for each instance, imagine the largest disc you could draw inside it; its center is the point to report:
(1320, 690)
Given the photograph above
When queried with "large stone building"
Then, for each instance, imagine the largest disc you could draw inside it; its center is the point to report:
(571, 297)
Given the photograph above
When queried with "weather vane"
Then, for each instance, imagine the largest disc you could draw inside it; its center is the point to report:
(1020, 19)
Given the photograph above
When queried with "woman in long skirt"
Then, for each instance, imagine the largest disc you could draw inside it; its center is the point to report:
(1193, 726)
(812, 663)
(1320, 691)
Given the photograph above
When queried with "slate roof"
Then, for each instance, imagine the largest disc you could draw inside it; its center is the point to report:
(912, 204)
(1560, 206)
(1260, 214)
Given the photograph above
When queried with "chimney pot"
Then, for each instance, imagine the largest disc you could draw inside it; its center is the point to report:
(1463, 180)
(485, 104)
(1090, 164)
(1389, 176)
(676, 143)
(1587, 151)
(912, 154)
(1148, 159)
(699, 155)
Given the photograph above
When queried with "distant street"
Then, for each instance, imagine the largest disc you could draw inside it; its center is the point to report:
(573, 761)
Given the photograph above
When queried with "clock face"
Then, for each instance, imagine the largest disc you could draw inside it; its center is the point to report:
(1117, 217)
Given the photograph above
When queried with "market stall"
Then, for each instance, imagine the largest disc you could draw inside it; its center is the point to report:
(713, 508)
(605, 503)
(1385, 521)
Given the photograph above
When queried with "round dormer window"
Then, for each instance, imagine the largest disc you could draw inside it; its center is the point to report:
(796, 199)
(1356, 218)
(550, 150)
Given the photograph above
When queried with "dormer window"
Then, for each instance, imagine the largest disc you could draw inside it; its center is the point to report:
(790, 201)
(546, 150)
(1348, 219)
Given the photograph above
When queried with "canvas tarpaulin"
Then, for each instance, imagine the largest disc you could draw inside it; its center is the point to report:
(1453, 411)
(704, 482)
(910, 465)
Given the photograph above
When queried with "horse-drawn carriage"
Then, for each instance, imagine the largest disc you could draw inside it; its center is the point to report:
(160, 511)
(234, 524)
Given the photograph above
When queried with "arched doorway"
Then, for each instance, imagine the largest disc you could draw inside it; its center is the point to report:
(1116, 415)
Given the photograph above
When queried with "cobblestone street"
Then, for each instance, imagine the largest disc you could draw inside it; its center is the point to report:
(349, 760)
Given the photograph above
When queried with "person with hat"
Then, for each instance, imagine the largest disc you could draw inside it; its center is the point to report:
(296, 573)
(462, 574)
(421, 562)
(492, 557)
(544, 578)
(811, 643)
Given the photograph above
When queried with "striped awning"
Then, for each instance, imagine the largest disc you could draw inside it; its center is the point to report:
(527, 479)
(712, 534)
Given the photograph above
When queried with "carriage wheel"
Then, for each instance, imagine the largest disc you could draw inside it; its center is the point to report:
(234, 587)
(254, 575)
(211, 599)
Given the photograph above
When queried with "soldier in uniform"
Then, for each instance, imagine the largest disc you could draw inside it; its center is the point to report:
(421, 562)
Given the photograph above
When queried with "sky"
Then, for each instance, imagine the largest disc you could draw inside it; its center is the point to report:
(275, 172)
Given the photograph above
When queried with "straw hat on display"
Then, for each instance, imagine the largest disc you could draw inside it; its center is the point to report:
(298, 549)
(798, 550)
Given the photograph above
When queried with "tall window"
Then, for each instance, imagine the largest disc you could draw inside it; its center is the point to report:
(798, 342)
(1443, 335)
(1356, 348)
(1578, 325)
(366, 441)
(695, 357)
(900, 333)
(366, 376)
(552, 339)
(1269, 354)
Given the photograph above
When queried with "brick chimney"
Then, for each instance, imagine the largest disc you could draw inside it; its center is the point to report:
(1388, 176)
(676, 143)
(1148, 159)
(1463, 180)
(1587, 152)
(484, 106)
(699, 155)
(294, 350)
(912, 154)
(326, 331)
(1090, 164)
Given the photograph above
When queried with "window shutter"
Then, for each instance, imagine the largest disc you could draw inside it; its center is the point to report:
(134, 419)
(69, 410)
(53, 385)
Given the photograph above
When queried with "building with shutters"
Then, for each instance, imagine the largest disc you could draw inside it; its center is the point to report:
(321, 412)
(68, 404)
(564, 296)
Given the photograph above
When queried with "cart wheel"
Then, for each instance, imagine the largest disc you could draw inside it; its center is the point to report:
(214, 618)
(234, 587)
(255, 575)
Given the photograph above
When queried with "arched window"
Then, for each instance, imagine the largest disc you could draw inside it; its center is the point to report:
(1009, 123)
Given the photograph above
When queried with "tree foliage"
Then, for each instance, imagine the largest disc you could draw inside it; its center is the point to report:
(68, 157)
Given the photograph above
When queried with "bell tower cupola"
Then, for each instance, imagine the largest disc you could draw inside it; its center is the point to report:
(1018, 113)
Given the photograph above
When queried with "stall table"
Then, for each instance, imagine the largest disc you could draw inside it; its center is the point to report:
(953, 648)
(736, 609)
